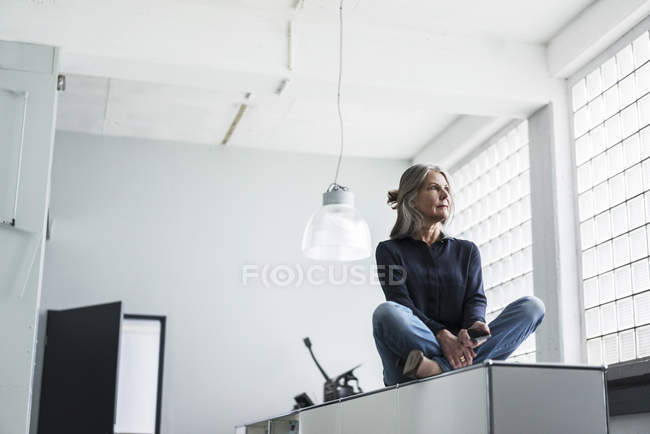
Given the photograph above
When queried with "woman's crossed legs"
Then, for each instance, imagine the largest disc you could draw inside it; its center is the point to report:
(397, 331)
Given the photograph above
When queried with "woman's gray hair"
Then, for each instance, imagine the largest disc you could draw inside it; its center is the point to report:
(409, 219)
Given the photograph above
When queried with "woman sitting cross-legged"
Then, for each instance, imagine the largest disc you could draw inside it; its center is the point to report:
(434, 289)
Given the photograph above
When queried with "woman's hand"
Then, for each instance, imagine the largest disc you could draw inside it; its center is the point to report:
(480, 326)
(463, 335)
(455, 351)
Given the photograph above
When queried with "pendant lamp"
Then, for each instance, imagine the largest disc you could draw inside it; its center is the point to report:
(336, 231)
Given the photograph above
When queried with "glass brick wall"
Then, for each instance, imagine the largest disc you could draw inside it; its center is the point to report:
(611, 112)
(492, 199)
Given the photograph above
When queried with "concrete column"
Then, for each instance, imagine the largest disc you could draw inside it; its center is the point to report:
(554, 210)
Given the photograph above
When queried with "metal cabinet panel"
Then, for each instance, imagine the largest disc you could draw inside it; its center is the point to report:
(375, 413)
(321, 420)
(540, 400)
(450, 404)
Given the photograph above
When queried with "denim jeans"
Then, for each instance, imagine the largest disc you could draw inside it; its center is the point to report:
(397, 331)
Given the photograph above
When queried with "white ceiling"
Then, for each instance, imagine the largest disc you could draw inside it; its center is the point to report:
(305, 123)
(178, 70)
(516, 20)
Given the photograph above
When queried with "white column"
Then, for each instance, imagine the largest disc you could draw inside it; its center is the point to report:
(32, 70)
(560, 338)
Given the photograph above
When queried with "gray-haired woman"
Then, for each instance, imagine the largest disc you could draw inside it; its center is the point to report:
(434, 289)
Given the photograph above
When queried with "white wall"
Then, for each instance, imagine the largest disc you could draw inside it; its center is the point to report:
(166, 227)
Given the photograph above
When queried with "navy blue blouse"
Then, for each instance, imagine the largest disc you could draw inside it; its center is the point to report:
(443, 283)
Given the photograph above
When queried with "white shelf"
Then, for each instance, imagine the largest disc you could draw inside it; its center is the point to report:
(494, 397)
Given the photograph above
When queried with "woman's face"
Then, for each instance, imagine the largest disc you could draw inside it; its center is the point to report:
(433, 199)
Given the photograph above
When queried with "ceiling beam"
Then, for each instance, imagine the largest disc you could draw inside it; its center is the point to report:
(593, 30)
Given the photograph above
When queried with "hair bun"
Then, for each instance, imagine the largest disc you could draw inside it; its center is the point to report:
(392, 198)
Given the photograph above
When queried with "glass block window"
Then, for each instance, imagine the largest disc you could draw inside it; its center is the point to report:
(611, 113)
(492, 203)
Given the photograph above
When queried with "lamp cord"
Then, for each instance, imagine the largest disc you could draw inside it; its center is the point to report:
(338, 94)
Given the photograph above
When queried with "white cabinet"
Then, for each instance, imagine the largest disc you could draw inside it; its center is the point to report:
(449, 404)
(494, 397)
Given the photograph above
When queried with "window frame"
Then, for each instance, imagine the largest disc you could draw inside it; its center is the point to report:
(629, 378)
(467, 159)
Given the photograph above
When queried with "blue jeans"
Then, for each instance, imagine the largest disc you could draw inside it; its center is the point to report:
(397, 331)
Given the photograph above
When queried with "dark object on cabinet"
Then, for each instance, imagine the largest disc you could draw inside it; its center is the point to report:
(340, 386)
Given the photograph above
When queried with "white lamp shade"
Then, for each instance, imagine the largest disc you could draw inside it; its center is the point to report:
(336, 232)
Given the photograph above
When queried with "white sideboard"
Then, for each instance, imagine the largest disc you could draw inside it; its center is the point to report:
(494, 397)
